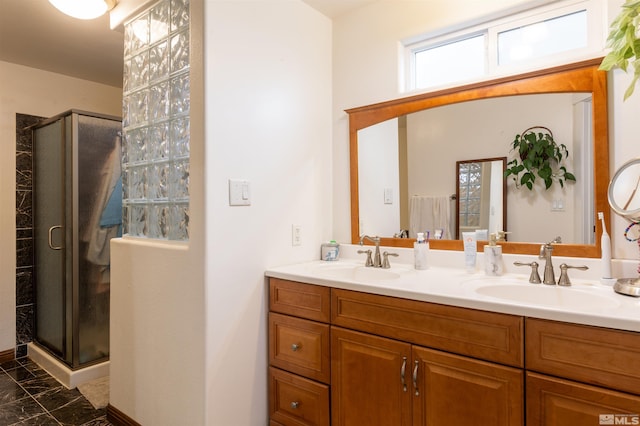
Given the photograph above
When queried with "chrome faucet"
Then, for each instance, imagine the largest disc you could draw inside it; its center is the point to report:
(377, 260)
(546, 250)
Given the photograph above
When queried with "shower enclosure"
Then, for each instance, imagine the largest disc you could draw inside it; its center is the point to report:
(77, 209)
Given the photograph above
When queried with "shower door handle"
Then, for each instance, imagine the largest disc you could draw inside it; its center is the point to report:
(51, 246)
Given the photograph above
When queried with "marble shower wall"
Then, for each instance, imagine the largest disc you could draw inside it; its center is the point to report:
(25, 307)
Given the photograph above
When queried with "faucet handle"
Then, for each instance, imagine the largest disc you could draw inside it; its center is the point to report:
(564, 275)
(534, 278)
(369, 261)
(385, 259)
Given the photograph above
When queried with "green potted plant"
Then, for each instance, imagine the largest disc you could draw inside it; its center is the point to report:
(624, 42)
(537, 154)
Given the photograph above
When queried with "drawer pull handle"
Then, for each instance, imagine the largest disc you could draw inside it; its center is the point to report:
(402, 373)
(415, 377)
(295, 347)
(295, 405)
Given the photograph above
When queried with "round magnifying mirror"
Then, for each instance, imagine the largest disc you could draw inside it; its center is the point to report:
(624, 190)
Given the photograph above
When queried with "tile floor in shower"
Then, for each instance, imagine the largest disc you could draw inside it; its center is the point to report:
(30, 396)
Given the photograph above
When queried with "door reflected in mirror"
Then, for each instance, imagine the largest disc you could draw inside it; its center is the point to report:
(481, 196)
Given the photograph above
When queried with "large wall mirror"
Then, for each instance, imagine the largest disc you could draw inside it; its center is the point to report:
(407, 152)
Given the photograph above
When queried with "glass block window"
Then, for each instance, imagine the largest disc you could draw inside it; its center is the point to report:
(470, 194)
(155, 123)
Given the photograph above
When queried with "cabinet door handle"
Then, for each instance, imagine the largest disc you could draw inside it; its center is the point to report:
(415, 377)
(295, 405)
(296, 346)
(402, 373)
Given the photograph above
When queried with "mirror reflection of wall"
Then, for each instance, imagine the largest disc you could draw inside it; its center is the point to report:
(434, 139)
(379, 179)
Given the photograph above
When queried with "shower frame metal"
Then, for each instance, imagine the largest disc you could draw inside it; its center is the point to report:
(69, 350)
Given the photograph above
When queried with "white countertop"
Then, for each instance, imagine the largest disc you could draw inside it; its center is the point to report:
(585, 302)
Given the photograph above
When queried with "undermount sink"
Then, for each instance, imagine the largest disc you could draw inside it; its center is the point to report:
(357, 273)
(541, 294)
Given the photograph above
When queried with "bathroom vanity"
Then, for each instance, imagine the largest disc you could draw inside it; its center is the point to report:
(350, 345)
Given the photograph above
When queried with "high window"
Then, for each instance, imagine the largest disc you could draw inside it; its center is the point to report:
(563, 32)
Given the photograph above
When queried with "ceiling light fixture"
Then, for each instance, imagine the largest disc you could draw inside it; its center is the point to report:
(84, 9)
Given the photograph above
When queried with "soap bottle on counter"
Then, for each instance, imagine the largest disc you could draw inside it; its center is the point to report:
(421, 252)
(493, 265)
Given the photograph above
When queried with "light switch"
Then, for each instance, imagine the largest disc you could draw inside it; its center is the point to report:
(557, 205)
(388, 195)
(239, 192)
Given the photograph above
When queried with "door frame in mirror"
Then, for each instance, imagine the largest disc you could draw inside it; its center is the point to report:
(577, 77)
(502, 160)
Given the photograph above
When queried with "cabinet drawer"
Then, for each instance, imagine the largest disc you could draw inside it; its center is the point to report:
(595, 355)
(479, 334)
(300, 346)
(300, 300)
(552, 401)
(297, 401)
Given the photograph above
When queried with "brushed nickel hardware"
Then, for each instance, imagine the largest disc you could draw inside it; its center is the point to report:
(295, 347)
(534, 278)
(546, 251)
(369, 261)
(385, 259)
(377, 261)
(564, 276)
(415, 377)
(402, 373)
(51, 246)
(295, 405)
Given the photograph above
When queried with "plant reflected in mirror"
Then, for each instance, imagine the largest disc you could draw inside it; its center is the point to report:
(538, 154)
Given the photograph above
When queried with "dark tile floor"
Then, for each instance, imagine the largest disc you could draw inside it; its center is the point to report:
(30, 396)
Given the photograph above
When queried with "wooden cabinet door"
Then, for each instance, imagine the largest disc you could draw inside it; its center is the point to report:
(366, 381)
(455, 390)
(558, 402)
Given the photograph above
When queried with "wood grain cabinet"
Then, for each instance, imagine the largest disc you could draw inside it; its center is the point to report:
(457, 390)
(381, 381)
(377, 379)
(579, 374)
(299, 356)
(348, 358)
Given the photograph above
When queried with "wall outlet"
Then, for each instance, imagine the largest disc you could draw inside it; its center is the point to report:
(296, 237)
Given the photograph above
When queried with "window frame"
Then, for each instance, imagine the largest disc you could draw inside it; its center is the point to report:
(596, 33)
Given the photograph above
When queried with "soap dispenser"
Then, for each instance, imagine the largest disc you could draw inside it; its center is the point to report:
(421, 252)
(493, 265)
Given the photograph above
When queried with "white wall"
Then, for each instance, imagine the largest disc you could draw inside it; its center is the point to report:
(378, 171)
(268, 98)
(366, 49)
(30, 91)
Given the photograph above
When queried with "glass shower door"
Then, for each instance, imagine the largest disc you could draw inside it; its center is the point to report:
(49, 234)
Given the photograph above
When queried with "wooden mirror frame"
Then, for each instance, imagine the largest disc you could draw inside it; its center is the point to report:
(577, 77)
